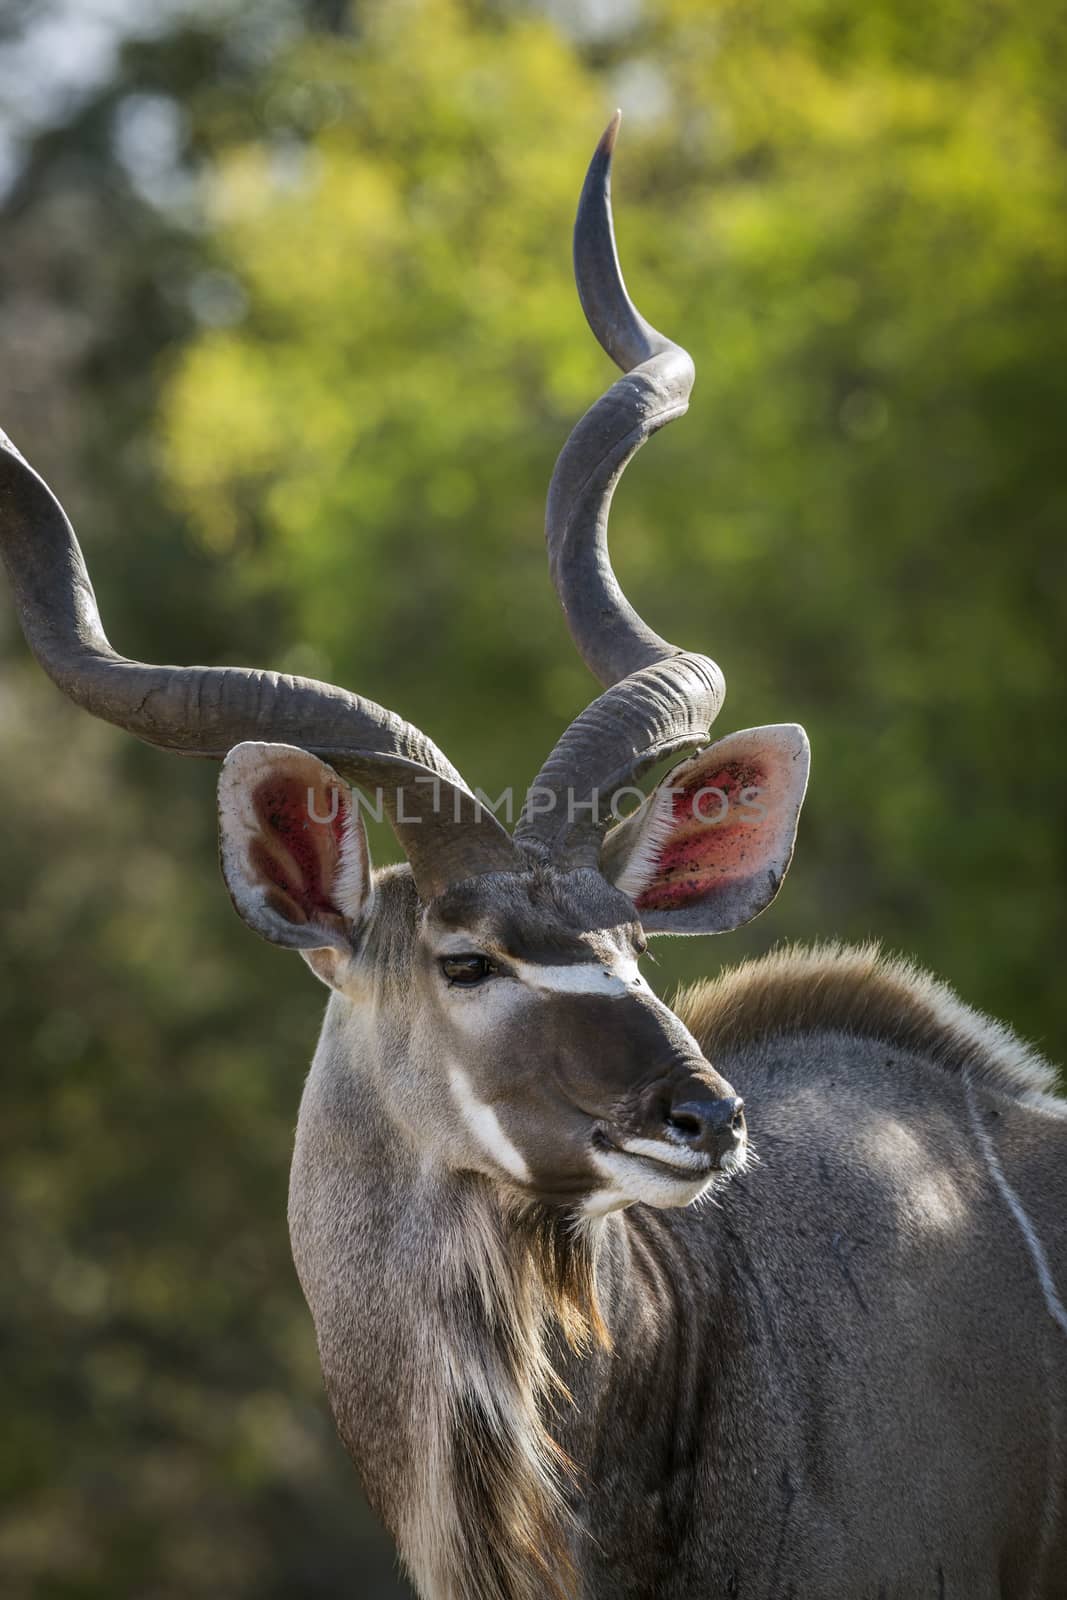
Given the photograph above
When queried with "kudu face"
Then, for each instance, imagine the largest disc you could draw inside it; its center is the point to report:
(547, 1057)
(493, 992)
(501, 1026)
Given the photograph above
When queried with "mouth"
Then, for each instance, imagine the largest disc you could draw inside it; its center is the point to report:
(655, 1172)
(655, 1155)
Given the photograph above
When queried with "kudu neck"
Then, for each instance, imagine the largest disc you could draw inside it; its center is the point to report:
(471, 1346)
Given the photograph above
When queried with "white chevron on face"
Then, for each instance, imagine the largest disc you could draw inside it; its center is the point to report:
(484, 1124)
(610, 979)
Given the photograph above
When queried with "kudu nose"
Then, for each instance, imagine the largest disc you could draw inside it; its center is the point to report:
(715, 1126)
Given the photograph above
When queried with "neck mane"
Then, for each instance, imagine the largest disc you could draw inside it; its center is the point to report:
(444, 1319)
(863, 992)
(490, 1518)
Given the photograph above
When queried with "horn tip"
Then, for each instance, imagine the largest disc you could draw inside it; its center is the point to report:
(610, 134)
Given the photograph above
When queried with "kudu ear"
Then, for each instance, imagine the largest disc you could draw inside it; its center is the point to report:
(709, 847)
(293, 851)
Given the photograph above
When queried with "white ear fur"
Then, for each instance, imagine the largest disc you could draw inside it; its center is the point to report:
(293, 850)
(708, 849)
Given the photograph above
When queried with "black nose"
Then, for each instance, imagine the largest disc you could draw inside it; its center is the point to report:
(714, 1126)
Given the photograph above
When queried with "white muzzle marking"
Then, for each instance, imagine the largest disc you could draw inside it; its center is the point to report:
(632, 1176)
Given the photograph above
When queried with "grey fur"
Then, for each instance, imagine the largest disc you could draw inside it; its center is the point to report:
(840, 1381)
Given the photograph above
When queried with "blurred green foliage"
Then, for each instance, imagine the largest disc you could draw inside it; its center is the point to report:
(286, 316)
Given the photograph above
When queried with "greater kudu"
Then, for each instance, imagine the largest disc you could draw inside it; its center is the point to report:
(557, 1376)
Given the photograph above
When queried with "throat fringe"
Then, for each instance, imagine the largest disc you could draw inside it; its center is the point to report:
(491, 1517)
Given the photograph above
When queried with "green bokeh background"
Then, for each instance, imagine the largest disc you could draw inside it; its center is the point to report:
(286, 317)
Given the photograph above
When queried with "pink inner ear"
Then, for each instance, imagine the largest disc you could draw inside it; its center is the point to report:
(699, 852)
(295, 852)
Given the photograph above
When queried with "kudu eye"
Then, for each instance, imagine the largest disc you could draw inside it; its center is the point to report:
(467, 970)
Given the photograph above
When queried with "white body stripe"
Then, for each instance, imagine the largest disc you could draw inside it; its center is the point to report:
(1057, 1311)
(1056, 1308)
(485, 1125)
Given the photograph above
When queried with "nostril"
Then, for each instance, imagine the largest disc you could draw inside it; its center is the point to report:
(687, 1121)
(712, 1125)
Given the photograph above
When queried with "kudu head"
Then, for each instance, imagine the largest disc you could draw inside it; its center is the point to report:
(488, 993)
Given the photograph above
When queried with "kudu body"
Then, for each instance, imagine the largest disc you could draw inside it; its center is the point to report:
(559, 1376)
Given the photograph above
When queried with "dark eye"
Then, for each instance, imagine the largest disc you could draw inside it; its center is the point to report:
(467, 970)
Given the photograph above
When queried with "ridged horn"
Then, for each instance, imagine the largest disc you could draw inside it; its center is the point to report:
(660, 699)
(204, 711)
